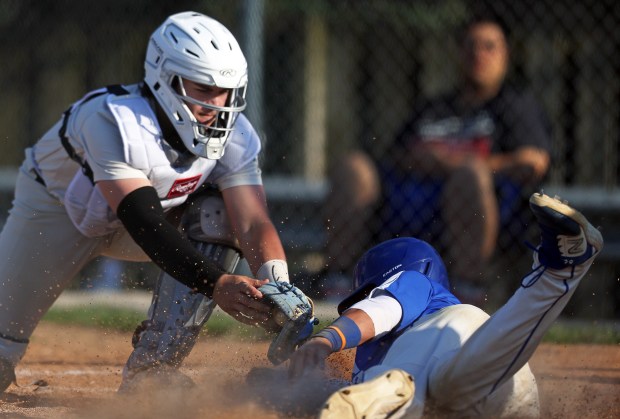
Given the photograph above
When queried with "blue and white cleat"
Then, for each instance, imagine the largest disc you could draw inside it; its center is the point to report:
(567, 238)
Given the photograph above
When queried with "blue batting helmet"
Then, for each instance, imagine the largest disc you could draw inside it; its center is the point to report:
(390, 257)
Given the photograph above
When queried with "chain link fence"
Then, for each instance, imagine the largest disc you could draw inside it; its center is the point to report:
(331, 76)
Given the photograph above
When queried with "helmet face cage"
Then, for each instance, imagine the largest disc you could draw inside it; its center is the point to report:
(217, 133)
(195, 47)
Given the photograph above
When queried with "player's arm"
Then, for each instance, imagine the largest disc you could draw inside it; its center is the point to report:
(351, 329)
(114, 191)
(253, 228)
(364, 321)
(525, 163)
(138, 207)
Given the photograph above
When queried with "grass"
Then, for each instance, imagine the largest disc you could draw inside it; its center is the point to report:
(126, 320)
(593, 332)
(120, 319)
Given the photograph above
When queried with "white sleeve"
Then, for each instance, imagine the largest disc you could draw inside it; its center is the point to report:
(250, 174)
(384, 310)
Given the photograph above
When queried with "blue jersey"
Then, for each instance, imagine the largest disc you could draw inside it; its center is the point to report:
(418, 296)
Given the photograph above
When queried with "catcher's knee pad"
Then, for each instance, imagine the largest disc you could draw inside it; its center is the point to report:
(205, 220)
(177, 313)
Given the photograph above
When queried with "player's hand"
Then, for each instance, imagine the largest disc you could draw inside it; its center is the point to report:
(309, 357)
(239, 296)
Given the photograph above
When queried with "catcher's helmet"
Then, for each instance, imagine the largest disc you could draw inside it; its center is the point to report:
(193, 46)
(390, 257)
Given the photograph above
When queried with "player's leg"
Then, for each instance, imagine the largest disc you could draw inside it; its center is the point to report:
(348, 210)
(177, 313)
(503, 344)
(40, 252)
(471, 215)
(432, 336)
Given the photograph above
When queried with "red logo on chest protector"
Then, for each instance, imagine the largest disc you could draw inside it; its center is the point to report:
(182, 187)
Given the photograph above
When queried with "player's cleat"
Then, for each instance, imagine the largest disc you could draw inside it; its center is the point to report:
(384, 396)
(567, 238)
(152, 379)
(7, 374)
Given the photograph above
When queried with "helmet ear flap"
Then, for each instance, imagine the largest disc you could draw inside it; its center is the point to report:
(425, 268)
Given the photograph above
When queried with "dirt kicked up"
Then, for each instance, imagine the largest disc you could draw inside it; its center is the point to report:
(74, 372)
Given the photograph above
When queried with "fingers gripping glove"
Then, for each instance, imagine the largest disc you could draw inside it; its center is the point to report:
(292, 319)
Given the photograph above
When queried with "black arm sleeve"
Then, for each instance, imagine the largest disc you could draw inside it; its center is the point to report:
(143, 216)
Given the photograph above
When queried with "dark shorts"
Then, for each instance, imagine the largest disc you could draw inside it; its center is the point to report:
(411, 207)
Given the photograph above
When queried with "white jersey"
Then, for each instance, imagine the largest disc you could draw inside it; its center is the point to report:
(120, 138)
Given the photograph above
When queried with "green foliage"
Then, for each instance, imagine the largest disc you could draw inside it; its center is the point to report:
(221, 324)
(583, 332)
(125, 320)
(101, 316)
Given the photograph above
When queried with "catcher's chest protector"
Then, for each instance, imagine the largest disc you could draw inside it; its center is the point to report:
(173, 176)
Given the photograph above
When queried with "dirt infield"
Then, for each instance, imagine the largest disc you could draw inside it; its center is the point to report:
(73, 372)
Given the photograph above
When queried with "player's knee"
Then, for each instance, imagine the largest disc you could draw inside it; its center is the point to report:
(355, 178)
(474, 173)
(206, 220)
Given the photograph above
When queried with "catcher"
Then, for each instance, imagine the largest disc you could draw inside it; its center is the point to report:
(178, 313)
(420, 351)
(121, 174)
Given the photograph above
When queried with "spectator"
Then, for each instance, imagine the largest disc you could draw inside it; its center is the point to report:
(459, 170)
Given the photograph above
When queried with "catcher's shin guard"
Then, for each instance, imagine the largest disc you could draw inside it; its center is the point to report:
(11, 352)
(177, 313)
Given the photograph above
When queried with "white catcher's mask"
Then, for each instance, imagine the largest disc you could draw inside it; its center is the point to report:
(193, 46)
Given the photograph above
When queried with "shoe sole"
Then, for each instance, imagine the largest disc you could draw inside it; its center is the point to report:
(593, 236)
(352, 401)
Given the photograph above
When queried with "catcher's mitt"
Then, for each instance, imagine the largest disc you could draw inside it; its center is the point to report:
(292, 319)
